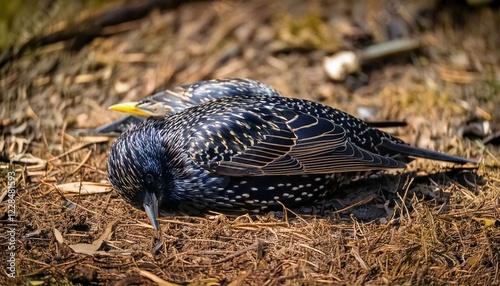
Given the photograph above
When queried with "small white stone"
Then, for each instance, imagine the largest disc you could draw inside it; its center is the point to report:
(341, 64)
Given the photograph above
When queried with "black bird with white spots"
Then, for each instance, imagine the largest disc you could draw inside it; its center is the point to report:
(179, 98)
(248, 153)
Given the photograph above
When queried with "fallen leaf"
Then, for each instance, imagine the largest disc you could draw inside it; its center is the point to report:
(486, 222)
(91, 249)
(58, 236)
(84, 188)
(36, 282)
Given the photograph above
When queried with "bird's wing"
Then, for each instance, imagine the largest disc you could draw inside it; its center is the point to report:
(261, 141)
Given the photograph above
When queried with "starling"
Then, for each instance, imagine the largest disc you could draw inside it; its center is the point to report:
(179, 98)
(247, 153)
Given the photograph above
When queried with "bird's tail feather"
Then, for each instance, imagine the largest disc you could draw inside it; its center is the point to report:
(387, 124)
(424, 153)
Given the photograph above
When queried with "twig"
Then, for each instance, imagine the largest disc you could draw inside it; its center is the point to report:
(256, 245)
(82, 163)
(74, 149)
(363, 201)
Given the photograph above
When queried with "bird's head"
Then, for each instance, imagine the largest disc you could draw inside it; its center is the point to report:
(140, 170)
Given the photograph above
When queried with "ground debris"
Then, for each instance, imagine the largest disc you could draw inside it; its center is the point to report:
(431, 225)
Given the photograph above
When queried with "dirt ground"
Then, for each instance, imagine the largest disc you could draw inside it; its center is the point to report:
(433, 224)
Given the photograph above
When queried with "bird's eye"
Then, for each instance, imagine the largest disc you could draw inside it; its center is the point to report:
(150, 181)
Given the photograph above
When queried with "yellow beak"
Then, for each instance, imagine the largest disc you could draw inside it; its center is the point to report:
(131, 108)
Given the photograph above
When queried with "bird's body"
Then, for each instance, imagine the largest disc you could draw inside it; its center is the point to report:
(248, 152)
(239, 153)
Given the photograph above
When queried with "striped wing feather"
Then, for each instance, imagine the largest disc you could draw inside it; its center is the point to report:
(279, 142)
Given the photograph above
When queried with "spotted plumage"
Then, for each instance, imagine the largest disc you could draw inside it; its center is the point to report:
(179, 98)
(185, 96)
(248, 152)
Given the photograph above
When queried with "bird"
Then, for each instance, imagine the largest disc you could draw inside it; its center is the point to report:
(249, 153)
(179, 98)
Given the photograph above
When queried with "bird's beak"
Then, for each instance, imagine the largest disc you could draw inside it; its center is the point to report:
(131, 108)
(151, 208)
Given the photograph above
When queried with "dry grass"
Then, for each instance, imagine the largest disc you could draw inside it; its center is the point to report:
(430, 225)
